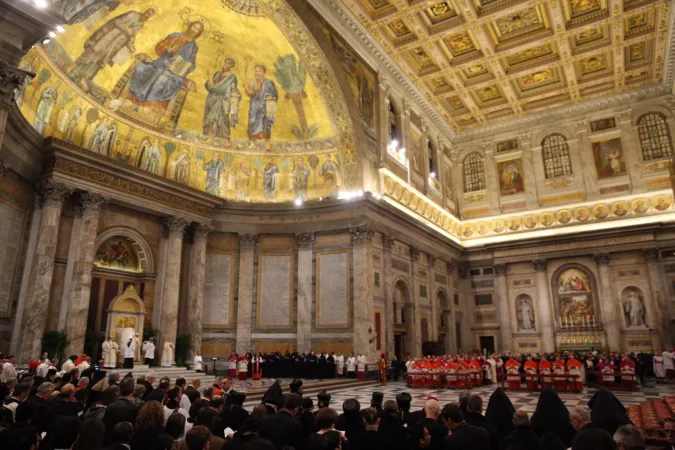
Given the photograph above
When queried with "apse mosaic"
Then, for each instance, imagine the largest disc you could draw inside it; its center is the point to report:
(210, 94)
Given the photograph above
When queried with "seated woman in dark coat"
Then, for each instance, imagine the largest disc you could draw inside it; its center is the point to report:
(552, 416)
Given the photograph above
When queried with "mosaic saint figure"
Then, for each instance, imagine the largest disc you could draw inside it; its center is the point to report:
(103, 140)
(270, 179)
(300, 174)
(70, 121)
(511, 179)
(213, 169)
(29, 66)
(331, 175)
(262, 111)
(159, 81)
(241, 180)
(45, 106)
(77, 11)
(151, 157)
(221, 112)
(104, 47)
(181, 168)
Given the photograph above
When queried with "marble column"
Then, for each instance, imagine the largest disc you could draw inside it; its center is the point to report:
(364, 339)
(525, 142)
(658, 303)
(195, 304)
(245, 292)
(632, 153)
(433, 326)
(11, 79)
(77, 300)
(303, 339)
(467, 304)
(171, 291)
(383, 104)
(414, 312)
(546, 322)
(389, 312)
(582, 152)
(608, 305)
(504, 308)
(451, 318)
(161, 270)
(36, 305)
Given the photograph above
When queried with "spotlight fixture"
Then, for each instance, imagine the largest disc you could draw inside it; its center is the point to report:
(46, 41)
(60, 29)
(42, 4)
(298, 201)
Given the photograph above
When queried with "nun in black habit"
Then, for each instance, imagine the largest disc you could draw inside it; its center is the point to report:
(607, 412)
(552, 416)
(500, 412)
(273, 398)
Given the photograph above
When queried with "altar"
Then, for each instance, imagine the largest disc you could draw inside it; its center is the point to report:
(126, 315)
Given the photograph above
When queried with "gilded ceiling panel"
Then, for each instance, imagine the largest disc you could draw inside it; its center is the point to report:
(505, 58)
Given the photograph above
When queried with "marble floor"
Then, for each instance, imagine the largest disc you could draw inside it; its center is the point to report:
(521, 400)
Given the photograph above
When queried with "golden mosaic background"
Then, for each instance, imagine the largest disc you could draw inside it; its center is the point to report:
(482, 61)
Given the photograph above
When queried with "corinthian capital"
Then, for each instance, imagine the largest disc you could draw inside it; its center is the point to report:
(625, 116)
(11, 79)
(304, 240)
(362, 234)
(49, 191)
(602, 259)
(247, 241)
(90, 203)
(175, 224)
(201, 231)
(581, 125)
(387, 242)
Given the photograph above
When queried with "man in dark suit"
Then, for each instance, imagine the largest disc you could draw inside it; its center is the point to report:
(371, 439)
(464, 436)
(64, 405)
(123, 410)
(192, 391)
(159, 393)
(146, 380)
(475, 417)
(39, 404)
(281, 428)
(522, 435)
(436, 430)
(123, 435)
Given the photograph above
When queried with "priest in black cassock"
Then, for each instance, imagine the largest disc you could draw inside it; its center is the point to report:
(321, 363)
(312, 366)
(330, 365)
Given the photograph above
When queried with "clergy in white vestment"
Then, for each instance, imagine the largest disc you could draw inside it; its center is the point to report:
(109, 353)
(8, 370)
(42, 369)
(84, 365)
(138, 346)
(492, 369)
(149, 349)
(69, 365)
(361, 367)
(351, 367)
(197, 363)
(659, 368)
(340, 364)
(129, 353)
(167, 354)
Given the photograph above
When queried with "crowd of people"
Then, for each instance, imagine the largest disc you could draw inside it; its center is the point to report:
(70, 412)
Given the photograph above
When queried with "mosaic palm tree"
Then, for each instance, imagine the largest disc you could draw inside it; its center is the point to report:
(292, 77)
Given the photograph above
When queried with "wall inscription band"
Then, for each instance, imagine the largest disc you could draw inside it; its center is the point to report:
(219, 279)
(332, 289)
(275, 291)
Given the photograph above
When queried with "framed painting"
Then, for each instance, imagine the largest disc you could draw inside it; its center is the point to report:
(511, 177)
(609, 158)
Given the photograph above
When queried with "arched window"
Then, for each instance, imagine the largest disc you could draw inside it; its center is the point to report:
(393, 130)
(556, 152)
(433, 165)
(654, 136)
(474, 173)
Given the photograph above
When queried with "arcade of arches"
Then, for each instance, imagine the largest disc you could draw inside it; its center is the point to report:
(260, 176)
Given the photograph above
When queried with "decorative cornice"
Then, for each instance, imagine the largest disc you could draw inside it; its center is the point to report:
(343, 18)
(247, 241)
(49, 191)
(669, 65)
(11, 79)
(362, 234)
(540, 265)
(84, 172)
(304, 240)
(625, 116)
(90, 203)
(175, 224)
(602, 259)
(201, 231)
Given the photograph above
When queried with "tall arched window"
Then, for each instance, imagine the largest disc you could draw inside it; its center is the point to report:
(654, 136)
(474, 172)
(433, 165)
(393, 130)
(556, 153)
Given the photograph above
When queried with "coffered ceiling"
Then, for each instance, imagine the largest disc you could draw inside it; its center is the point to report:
(483, 61)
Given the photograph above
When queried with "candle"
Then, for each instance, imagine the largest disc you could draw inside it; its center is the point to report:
(583, 321)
